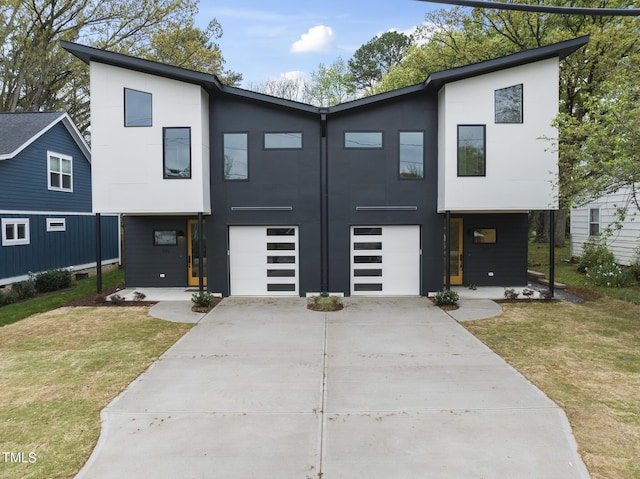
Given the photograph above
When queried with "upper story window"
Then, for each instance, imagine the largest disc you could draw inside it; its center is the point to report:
(60, 172)
(283, 141)
(363, 139)
(509, 104)
(594, 221)
(137, 108)
(15, 231)
(412, 154)
(177, 152)
(471, 150)
(236, 156)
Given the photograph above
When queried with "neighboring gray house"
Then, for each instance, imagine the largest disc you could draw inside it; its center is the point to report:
(359, 198)
(45, 198)
(599, 219)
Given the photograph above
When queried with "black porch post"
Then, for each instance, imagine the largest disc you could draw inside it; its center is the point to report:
(201, 258)
(324, 210)
(98, 253)
(447, 247)
(552, 252)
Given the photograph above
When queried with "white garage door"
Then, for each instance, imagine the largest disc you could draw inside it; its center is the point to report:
(263, 260)
(385, 260)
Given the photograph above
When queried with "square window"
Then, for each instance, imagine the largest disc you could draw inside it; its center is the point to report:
(508, 104)
(594, 221)
(177, 152)
(15, 231)
(137, 108)
(236, 156)
(471, 150)
(363, 139)
(283, 141)
(412, 154)
(60, 172)
(485, 236)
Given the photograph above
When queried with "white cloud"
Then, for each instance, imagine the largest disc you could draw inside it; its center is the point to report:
(293, 75)
(317, 39)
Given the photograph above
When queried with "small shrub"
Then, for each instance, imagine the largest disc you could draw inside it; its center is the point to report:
(445, 297)
(324, 303)
(24, 290)
(510, 293)
(594, 253)
(53, 280)
(203, 300)
(138, 296)
(7, 296)
(634, 269)
(117, 299)
(610, 275)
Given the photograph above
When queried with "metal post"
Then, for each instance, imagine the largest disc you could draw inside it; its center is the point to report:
(201, 258)
(98, 253)
(324, 209)
(447, 247)
(552, 252)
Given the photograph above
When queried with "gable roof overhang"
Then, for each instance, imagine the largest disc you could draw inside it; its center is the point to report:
(40, 128)
(433, 83)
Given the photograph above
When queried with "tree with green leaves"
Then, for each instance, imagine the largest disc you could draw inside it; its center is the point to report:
(36, 74)
(330, 85)
(376, 57)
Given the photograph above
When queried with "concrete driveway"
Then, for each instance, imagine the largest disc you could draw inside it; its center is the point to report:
(387, 388)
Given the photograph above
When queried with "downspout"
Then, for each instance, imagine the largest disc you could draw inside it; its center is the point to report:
(324, 207)
(98, 253)
(552, 252)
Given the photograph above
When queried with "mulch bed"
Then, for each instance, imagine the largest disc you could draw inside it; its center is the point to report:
(100, 299)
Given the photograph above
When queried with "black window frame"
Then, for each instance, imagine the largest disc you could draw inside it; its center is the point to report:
(400, 173)
(281, 133)
(224, 162)
(125, 109)
(490, 228)
(164, 153)
(347, 147)
(499, 120)
(484, 150)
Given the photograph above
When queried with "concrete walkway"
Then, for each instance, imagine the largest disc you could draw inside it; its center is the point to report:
(386, 388)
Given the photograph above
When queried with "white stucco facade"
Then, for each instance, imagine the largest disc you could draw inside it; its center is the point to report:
(521, 165)
(127, 166)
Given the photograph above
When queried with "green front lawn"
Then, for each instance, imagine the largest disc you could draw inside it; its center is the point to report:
(46, 302)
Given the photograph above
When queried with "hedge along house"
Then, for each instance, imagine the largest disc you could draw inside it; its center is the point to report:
(396, 194)
(45, 198)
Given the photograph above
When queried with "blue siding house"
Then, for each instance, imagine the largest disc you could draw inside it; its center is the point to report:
(45, 198)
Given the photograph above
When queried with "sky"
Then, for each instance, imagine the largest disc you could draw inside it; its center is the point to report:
(267, 39)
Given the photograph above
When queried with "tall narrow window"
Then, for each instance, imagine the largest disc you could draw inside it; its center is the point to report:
(411, 154)
(508, 103)
(15, 231)
(236, 156)
(60, 172)
(471, 150)
(594, 221)
(177, 152)
(137, 108)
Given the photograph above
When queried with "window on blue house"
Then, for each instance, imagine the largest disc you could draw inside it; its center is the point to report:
(412, 154)
(471, 150)
(137, 108)
(15, 231)
(60, 172)
(177, 152)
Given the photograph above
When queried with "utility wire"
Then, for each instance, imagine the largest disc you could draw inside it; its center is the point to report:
(622, 12)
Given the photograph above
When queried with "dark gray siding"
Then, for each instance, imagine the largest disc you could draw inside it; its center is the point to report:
(507, 259)
(59, 249)
(370, 177)
(277, 178)
(24, 179)
(144, 262)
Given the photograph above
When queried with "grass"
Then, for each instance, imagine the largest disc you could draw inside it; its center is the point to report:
(58, 370)
(565, 272)
(587, 359)
(15, 312)
(328, 303)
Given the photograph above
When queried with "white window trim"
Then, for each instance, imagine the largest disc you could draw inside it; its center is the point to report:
(592, 223)
(62, 157)
(56, 224)
(15, 222)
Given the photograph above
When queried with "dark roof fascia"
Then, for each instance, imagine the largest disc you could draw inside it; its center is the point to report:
(560, 50)
(88, 54)
(261, 97)
(368, 100)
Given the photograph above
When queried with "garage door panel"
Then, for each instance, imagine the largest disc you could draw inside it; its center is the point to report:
(385, 260)
(263, 260)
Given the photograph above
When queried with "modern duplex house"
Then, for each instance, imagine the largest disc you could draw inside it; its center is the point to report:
(45, 198)
(401, 193)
